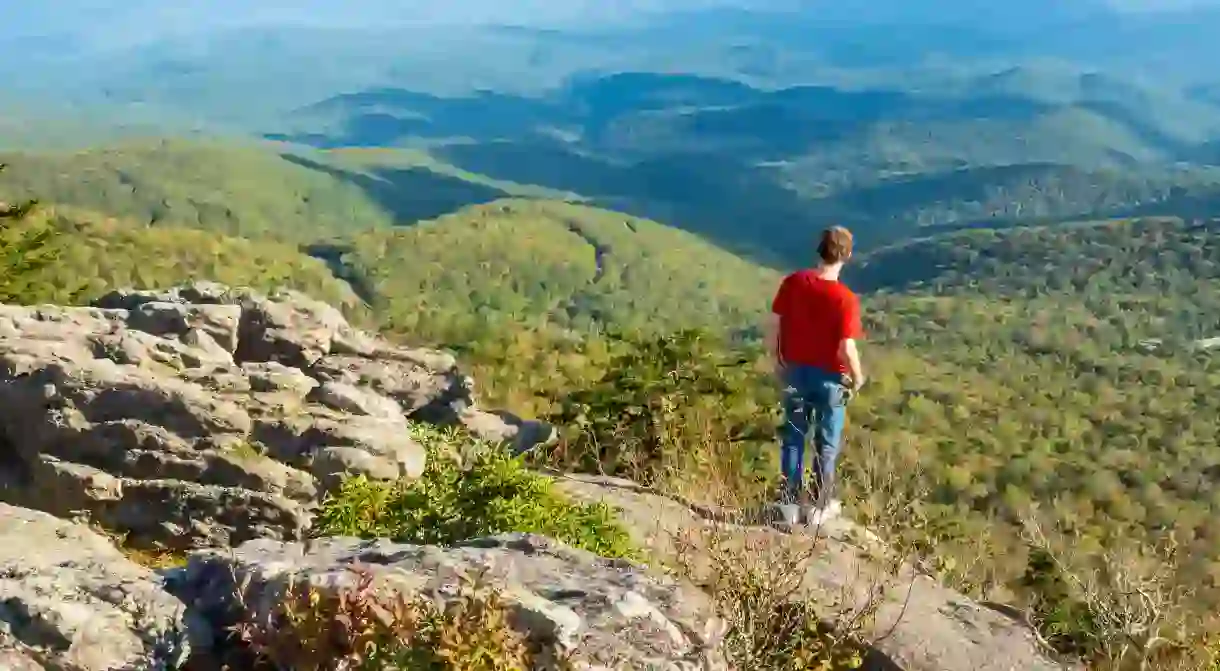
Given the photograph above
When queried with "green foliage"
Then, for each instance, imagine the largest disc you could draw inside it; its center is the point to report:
(235, 189)
(26, 248)
(636, 420)
(543, 262)
(93, 255)
(492, 494)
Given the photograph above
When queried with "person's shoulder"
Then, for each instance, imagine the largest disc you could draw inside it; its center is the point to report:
(846, 293)
(793, 278)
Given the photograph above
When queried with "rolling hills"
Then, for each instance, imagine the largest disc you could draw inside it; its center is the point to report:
(233, 188)
(756, 170)
(96, 254)
(768, 214)
(514, 262)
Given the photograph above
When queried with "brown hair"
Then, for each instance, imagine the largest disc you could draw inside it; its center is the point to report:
(835, 245)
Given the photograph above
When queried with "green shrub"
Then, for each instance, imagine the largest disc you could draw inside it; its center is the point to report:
(681, 411)
(491, 494)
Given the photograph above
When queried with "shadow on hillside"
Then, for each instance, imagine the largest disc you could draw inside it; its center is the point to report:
(385, 117)
(722, 200)
(730, 203)
(410, 194)
(686, 151)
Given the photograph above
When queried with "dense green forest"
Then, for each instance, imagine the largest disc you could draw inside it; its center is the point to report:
(1012, 369)
(230, 188)
(560, 264)
(87, 255)
(303, 196)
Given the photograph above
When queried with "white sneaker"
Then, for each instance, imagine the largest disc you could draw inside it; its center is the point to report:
(816, 517)
(787, 513)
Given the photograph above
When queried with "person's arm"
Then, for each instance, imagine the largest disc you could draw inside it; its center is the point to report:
(851, 354)
(853, 331)
(772, 326)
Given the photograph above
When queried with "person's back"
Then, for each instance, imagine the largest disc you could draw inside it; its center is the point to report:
(813, 334)
(817, 316)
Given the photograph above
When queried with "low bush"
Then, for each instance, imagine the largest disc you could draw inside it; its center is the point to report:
(769, 623)
(492, 493)
(359, 628)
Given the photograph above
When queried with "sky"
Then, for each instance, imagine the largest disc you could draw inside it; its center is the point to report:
(136, 19)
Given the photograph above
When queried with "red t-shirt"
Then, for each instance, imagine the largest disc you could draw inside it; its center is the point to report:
(815, 317)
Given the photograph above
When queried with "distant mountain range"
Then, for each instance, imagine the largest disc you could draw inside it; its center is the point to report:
(893, 117)
(758, 169)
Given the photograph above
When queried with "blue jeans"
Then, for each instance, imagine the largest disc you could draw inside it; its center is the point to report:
(813, 399)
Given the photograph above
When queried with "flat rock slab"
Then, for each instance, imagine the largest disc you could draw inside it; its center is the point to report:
(921, 625)
(608, 614)
(69, 599)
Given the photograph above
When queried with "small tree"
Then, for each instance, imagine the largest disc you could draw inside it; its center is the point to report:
(664, 403)
(26, 248)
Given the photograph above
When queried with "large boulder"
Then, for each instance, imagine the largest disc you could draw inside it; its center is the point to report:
(600, 613)
(206, 416)
(69, 599)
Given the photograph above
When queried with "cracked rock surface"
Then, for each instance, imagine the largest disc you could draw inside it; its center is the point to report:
(205, 416)
(600, 613)
(69, 599)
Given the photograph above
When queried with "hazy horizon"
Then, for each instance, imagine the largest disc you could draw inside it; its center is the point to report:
(99, 19)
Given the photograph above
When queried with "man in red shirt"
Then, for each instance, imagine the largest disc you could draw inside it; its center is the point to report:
(812, 334)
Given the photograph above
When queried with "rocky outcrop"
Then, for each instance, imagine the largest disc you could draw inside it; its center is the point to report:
(600, 613)
(69, 599)
(919, 625)
(205, 416)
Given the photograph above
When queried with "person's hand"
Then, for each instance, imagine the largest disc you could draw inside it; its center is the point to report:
(857, 383)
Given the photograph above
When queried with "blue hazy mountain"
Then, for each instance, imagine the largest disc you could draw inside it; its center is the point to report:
(240, 65)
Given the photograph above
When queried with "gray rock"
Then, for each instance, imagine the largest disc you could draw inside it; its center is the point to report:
(225, 411)
(348, 398)
(604, 613)
(920, 625)
(68, 598)
(16, 657)
(219, 322)
(422, 392)
(521, 435)
(377, 448)
(274, 377)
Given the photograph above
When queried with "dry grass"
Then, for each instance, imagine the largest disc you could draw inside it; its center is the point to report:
(774, 623)
(771, 624)
(150, 557)
(1125, 608)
